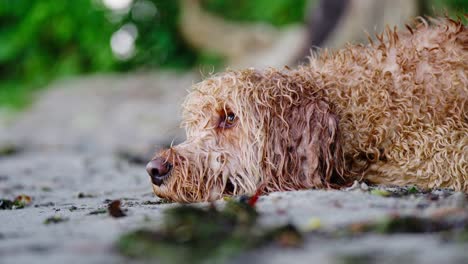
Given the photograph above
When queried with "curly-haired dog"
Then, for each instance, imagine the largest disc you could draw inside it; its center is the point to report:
(392, 112)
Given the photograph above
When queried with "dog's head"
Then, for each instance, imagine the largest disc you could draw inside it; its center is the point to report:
(248, 129)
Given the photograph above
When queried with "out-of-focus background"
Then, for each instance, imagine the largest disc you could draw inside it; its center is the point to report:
(111, 74)
(42, 41)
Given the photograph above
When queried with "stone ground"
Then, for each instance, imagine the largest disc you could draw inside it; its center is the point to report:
(84, 143)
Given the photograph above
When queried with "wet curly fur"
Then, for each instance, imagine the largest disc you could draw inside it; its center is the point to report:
(391, 112)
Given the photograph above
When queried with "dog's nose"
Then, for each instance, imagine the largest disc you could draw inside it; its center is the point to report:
(158, 169)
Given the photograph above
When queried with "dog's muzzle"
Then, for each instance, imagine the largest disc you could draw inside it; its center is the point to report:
(159, 169)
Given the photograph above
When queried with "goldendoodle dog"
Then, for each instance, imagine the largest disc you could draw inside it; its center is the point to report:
(391, 112)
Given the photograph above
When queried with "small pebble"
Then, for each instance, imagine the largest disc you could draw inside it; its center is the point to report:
(353, 187)
(364, 186)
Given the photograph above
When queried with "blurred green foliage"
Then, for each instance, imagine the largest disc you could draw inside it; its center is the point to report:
(158, 43)
(277, 12)
(44, 40)
(40, 40)
(453, 7)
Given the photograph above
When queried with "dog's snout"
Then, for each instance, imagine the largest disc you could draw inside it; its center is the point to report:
(158, 169)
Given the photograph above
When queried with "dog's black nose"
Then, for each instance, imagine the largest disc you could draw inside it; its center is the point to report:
(158, 169)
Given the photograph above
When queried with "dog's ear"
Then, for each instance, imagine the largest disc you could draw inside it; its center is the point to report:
(306, 151)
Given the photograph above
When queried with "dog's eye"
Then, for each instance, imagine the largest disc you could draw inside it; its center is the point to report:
(227, 121)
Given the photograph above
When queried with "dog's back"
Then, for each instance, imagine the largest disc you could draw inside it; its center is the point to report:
(402, 102)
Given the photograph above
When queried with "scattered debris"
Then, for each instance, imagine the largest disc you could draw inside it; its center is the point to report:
(129, 199)
(380, 192)
(6, 204)
(314, 224)
(357, 186)
(46, 189)
(130, 202)
(20, 202)
(409, 224)
(55, 220)
(400, 191)
(151, 203)
(48, 204)
(9, 150)
(160, 201)
(23, 199)
(72, 208)
(253, 200)
(403, 191)
(98, 211)
(215, 235)
(115, 210)
(364, 186)
(206, 234)
(413, 190)
(85, 195)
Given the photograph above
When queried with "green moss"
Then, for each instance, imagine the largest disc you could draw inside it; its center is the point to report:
(8, 150)
(55, 220)
(380, 192)
(205, 235)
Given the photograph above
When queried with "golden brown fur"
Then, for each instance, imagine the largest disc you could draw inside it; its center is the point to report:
(392, 112)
